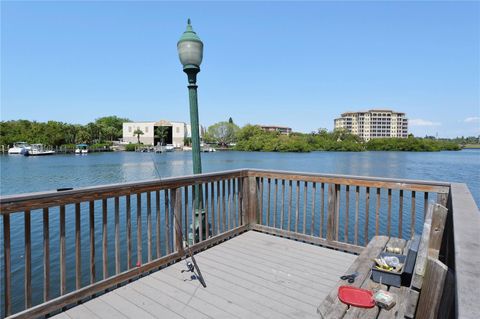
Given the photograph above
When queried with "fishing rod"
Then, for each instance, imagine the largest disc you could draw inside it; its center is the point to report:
(191, 266)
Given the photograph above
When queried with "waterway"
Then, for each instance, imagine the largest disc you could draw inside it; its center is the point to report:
(21, 174)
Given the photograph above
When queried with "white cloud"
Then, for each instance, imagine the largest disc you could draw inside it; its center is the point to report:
(473, 119)
(420, 122)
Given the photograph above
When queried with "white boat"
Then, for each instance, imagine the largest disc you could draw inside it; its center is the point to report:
(81, 149)
(19, 148)
(38, 150)
(169, 148)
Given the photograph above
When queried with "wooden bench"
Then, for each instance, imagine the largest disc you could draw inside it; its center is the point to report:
(427, 284)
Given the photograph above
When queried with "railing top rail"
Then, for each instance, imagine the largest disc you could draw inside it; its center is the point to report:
(298, 175)
(12, 203)
(17, 202)
(466, 225)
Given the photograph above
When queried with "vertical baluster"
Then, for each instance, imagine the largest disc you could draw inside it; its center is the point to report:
(282, 212)
(289, 205)
(104, 239)
(389, 217)
(297, 207)
(275, 204)
(312, 221)
(78, 248)
(46, 255)
(219, 211)
(63, 265)
(157, 226)
(377, 211)
(412, 224)
(28, 260)
(337, 210)
(176, 210)
(7, 265)
(167, 222)
(200, 217)
(268, 202)
(229, 203)
(425, 204)
(139, 229)
(129, 231)
(192, 214)
(234, 203)
(117, 235)
(224, 213)
(347, 212)
(212, 202)
(357, 207)
(305, 189)
(240, 201)
(400, 214)
(149, 226)
(322, 208)
(91, 205)
(186, 213)
(207, 213)
(367, 213)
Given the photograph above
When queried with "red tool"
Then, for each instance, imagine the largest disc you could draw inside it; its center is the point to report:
(356, 297)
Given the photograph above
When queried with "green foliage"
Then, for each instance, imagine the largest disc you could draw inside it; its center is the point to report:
(162, 133)
(221, 133)
(137, 133)
(55, 133)
(253, 138)
(132, 147)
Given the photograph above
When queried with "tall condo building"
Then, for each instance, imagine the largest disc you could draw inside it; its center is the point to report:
(374, 124)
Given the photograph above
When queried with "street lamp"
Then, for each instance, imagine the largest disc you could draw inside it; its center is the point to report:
(190, 52)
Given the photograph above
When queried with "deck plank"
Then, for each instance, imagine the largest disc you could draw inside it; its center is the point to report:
(253, 275)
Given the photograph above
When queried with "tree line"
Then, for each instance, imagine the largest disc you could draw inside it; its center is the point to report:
(254, 138)
(52, 133)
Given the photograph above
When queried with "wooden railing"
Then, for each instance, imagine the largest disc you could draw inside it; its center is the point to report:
(139, 227)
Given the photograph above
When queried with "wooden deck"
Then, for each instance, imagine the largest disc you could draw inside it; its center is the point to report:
(253, 275)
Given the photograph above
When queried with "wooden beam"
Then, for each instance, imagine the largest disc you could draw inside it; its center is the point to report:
(309, 239)
(432, 289)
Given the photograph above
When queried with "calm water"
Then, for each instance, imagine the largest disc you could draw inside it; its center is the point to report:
(21, 174)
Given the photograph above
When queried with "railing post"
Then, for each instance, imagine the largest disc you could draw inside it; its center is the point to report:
(176, 200)
(332, 212)
(250, 200)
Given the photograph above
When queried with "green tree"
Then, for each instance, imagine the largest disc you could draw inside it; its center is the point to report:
(222, 133)
(161, 132)
(137, 133)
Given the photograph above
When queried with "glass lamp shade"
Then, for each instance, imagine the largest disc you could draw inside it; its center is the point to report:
(190, 52)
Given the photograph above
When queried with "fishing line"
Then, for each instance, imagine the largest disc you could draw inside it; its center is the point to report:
(191, 266)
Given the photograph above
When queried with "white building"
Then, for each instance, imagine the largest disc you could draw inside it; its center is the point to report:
(374, 124)
(176, 132)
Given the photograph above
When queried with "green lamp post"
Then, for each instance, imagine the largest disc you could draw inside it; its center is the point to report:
(190, 51)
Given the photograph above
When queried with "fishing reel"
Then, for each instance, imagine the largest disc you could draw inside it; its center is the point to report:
(190, 266)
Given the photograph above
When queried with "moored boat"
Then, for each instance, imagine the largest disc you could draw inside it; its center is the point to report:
(38, 150)
(19, 148)
(81, 149)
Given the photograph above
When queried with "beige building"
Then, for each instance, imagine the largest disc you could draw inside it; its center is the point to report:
(374, 124)
(273, 128)
(176, 132)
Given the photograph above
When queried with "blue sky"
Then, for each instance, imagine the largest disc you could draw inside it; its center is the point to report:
(295, 64)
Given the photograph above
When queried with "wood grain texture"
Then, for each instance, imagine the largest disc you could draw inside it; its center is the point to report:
(46, 255)
(78, 248)
(432, 289)
(28, 259)
(63, 252)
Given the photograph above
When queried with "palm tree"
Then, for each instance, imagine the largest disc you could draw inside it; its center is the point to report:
(161, 132)
(138, 132)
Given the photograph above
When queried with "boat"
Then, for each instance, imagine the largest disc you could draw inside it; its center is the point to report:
(38, 150)
(81, 149)
(19, 148)
(169, 148)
